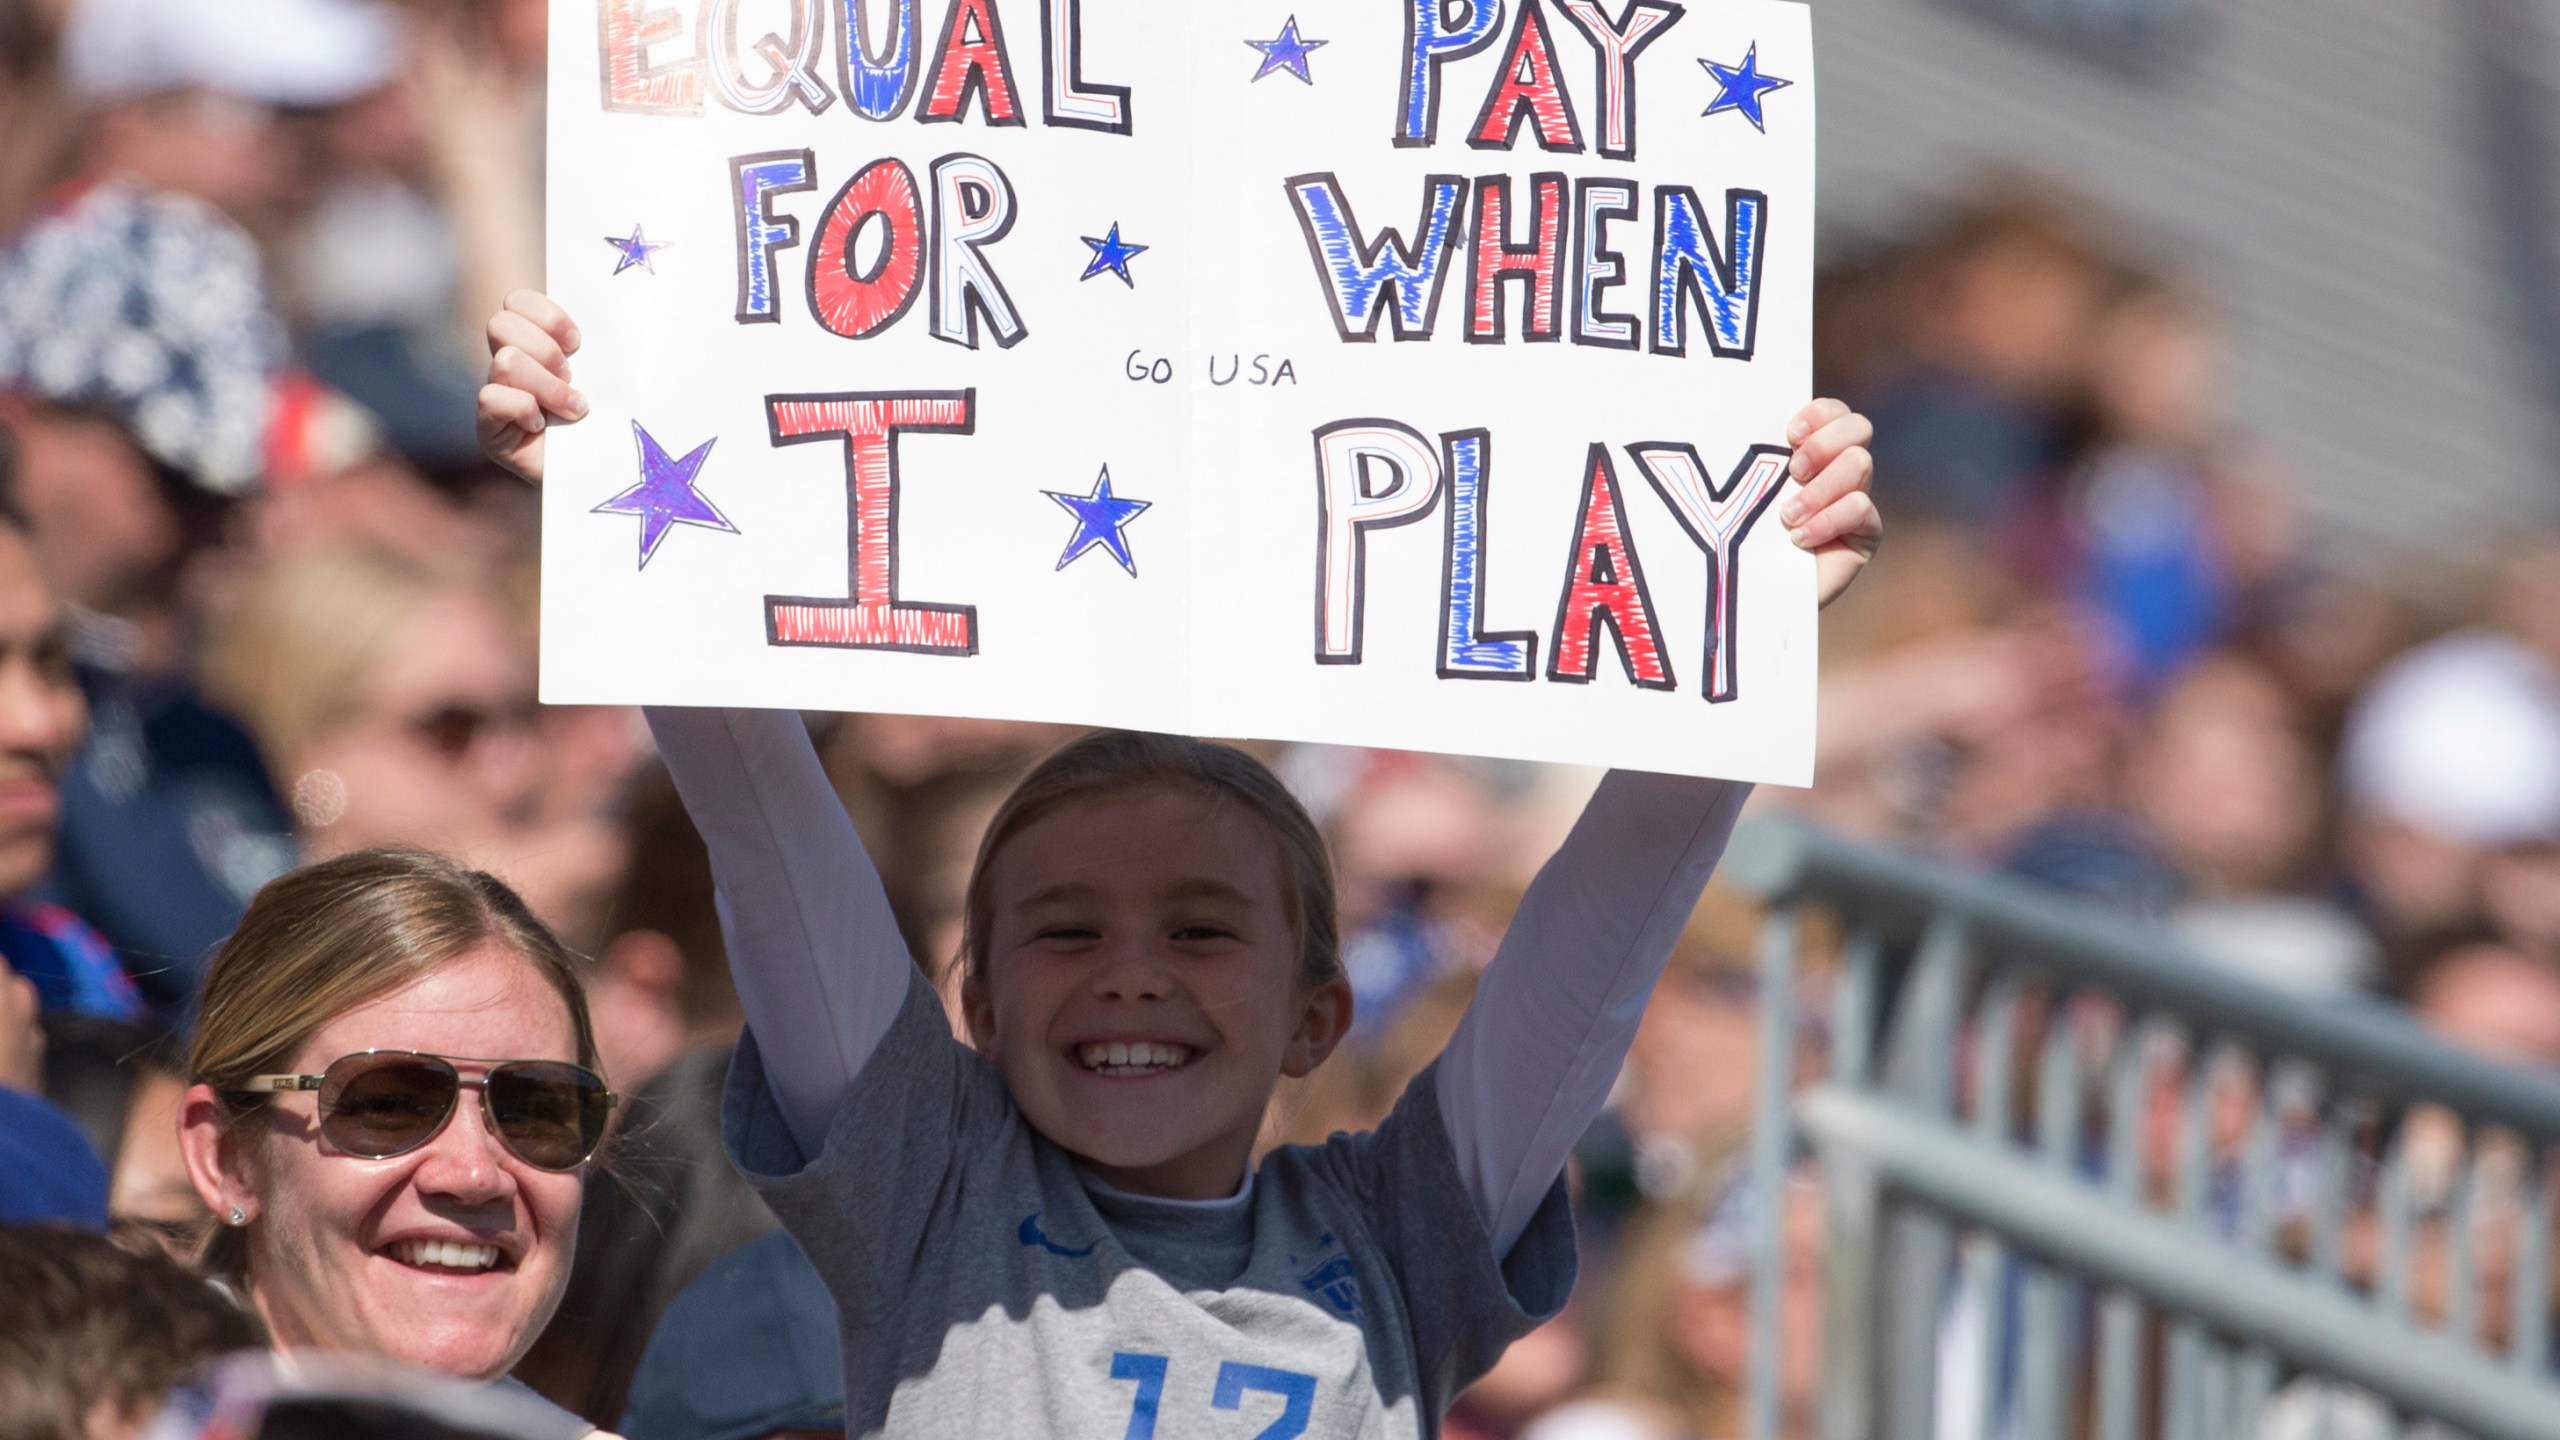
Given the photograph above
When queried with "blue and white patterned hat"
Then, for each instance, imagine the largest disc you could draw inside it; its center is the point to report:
(153, 309)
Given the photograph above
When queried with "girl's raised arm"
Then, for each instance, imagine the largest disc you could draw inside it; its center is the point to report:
(820, 965)
(1532, 1062)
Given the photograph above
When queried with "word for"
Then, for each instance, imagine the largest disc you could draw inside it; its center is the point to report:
(1158, 369)
(642, 72)
(1371, 475)
(1553, 240)
(972, 207)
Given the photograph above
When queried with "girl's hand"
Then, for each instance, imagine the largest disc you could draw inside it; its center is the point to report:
(1832, 516)
(530, 342)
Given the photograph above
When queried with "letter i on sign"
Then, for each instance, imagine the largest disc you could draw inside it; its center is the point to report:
(873, 617)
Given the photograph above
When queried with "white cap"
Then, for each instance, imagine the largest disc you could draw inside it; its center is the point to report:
(303, 53)
(2461, 738)
(2291, 942)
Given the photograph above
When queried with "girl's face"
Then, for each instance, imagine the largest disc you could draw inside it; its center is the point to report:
(341, 1252)
(1142, 994)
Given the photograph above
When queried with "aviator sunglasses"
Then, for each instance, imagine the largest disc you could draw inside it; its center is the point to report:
(376, 1104)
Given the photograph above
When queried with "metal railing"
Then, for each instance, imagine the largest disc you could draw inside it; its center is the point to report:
(2078, 1182)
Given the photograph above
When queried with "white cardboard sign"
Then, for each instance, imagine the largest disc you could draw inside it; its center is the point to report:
(1386, 372)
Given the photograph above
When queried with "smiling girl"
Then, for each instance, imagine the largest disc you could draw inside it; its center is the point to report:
(1057, 1228)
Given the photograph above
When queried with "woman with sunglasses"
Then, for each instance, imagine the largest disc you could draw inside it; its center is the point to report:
(392, 1092)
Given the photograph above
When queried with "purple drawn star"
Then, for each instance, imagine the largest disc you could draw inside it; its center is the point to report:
(665, 495)
(637, 249)
(1739, 87)
(1113, 254)
(1100, 518)
(1288, 52)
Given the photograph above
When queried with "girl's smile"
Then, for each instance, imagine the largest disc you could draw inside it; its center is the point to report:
(1143, 991)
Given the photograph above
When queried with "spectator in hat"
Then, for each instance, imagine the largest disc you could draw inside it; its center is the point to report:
(2451, 774)
(747, 1352)
(139, 368)
(185, 98)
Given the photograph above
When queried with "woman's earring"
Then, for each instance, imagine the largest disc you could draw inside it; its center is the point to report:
(239, 1216)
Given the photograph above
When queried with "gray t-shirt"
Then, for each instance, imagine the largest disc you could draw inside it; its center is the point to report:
(986, 1289)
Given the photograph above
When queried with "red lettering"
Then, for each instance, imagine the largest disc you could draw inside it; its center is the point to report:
(1530, 86)
(874, 618)
(972, 58)
(1604, 584)
(859, 306)
(1537, 264)
(630, 81)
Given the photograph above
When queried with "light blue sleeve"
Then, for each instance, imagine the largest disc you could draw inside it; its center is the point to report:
(820, 965)
(1532, 1063)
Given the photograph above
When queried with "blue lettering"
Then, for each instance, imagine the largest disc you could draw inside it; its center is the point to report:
(1429, 40)
(1466, 652)
(754, 180)
(1689, 267)
(1358, 272)
(877, 88)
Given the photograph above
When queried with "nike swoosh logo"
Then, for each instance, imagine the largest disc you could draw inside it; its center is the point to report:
(1031, 1236)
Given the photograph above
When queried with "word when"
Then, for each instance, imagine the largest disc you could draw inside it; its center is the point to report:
(1378, 474)
(1562, 240)
(970, 61)
(1266, 371)
(972, 207)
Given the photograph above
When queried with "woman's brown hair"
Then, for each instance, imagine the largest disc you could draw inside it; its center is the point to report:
(330, 937)
(1112, 762)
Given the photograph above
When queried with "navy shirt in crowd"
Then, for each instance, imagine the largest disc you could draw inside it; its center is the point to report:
(169, 826)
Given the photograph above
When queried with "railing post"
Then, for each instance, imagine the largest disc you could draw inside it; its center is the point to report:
(2247, 1288)
(1918, 1066)
(1852, 1206)
(1772, 1148)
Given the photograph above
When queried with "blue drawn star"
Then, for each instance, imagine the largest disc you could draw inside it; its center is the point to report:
(1739, 87)
(1100, 518)
(665, 495)
(1288, 52)
(1113, 254)
(637, 249)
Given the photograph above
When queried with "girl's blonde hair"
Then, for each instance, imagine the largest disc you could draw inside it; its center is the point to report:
(330, 937)
(1112, 762)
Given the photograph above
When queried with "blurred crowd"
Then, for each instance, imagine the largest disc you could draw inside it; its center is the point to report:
(261, 604)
